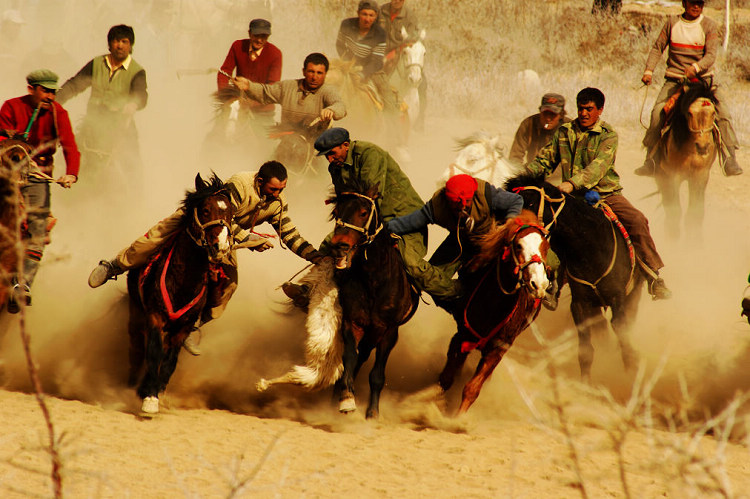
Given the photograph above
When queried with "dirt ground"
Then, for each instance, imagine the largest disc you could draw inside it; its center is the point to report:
(217, 436)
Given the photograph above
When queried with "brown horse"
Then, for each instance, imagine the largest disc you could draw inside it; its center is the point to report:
(502, 300)
(15, 158)
(363, 105)
(688, 150)
(168, 294)
(374, 291)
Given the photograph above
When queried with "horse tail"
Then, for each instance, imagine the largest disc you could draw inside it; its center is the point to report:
(324, 347)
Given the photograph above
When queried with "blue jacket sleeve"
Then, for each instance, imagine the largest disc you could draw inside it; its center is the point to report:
(412, 222)
(505, 204)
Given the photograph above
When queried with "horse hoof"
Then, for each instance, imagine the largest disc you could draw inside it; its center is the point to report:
(262, 385)
(347, 405)
(150, 406)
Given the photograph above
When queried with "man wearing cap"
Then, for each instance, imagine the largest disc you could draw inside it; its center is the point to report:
(42, 123)
(585, 151)
(537, 130)
(118, 90)
(259, 61)
(466, 207)
(693, 42)
(307, 104)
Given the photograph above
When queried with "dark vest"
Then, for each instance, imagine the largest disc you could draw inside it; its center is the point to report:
(480, 212)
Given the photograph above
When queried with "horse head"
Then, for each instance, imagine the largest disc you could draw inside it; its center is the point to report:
(357, 222)
(208, 214)
(521, 245)
(15, 159)
(694, 119)
(412, 57)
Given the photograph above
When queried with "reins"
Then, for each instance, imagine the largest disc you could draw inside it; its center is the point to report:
(365, 229)
(542, 198)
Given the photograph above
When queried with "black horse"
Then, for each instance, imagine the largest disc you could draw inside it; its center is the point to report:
(375, 294)
(168, 294)
(597, 260)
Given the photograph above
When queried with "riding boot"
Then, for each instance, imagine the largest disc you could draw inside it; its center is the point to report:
(298, 293)
(648, 169)
(451, 302)
(551, 296)
(105, 271)
(658, 289)
(731, 167)
(192, 342)
(18, 293)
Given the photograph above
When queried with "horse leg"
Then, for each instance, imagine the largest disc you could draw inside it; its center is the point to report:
(454, 362)
(696, 206)
(377, 374)
(364, 349)
(623, 316)
(670, 197)
(137, 350)
(344, 389)
(587, 318)
(486, 365)
(168, 365)
(149, 387)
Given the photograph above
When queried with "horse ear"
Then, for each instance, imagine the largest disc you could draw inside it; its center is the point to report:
(199, 183)
(422, 34)
(374, 191)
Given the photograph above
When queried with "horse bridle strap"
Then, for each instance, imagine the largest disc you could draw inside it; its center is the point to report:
(201, 240)
(542, 198)
(518, 266)
(362, 230)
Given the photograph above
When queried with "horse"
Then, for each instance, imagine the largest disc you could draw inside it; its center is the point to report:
(503, 297)
(408, 74)
(14, 155)
(363, 103)
(688, 150)
(375, 293)
(598, 262)
(481, 155)
(168, 294)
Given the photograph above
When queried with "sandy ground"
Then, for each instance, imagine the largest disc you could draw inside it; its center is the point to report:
(217, 436)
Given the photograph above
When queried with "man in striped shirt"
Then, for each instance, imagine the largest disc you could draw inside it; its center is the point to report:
(257, 198)
(693, 42)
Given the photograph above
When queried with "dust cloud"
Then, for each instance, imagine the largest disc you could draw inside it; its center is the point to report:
(79, 334)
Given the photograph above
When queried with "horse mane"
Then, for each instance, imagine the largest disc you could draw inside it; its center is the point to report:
(214, 185)
(355, 185)
(680, 130)
(493, 242)
(489, 141)
(528, 179)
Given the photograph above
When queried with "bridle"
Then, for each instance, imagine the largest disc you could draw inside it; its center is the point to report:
(519, 267)
(542, 198)
(200, 239)
(364, 230)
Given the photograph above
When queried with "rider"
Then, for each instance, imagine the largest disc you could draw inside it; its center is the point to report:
(536, 131)
(42, 123)
(303, 100)
(118, 90)
(693, 42)
(362, 39)
(585, 150)
(466, 207)
(258, 60)
(257, 198)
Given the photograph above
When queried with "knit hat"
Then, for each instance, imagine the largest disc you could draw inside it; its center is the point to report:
(460, 187)
(44, 78)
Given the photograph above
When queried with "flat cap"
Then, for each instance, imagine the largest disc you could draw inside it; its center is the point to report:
(553, 102)
(44, 78)
(367, 5)
(331, 138)
(260, 27)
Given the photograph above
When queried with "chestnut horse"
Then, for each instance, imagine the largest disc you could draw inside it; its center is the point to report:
(374, 291)
(688, 150)
(598, 262)
(15, 158)
(168, 294)
(502, 299)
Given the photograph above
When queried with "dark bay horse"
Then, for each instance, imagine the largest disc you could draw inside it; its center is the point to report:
(168, 294)
(503, 297)
(688, 150)
(15, 158)
(375, 294)
(597, 261)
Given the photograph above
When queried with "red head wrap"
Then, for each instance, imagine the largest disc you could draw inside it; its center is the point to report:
(460, 187)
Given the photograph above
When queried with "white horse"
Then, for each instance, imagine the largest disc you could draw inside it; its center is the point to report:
(409, 72)
(482, 156)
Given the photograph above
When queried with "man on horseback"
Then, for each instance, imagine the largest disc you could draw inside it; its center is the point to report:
(42, 123)
(259, 61)
(257, 198)
(693, 42)
(536, 131)
(585, 150)
(465, 207)
(118, 90)
(307, 104)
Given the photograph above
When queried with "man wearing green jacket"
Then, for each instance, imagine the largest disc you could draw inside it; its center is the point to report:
(585, 150)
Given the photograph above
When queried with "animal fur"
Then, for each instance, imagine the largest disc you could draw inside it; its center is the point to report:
(324, 349)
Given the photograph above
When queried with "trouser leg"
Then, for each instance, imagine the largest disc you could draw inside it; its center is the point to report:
(653, 134)
(636, 224)
(724, 119)
(36, 198)
(139, 252)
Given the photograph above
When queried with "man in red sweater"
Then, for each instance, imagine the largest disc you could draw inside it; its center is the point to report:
(257, 60)
(42, 123)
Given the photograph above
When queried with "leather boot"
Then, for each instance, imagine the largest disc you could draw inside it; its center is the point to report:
(658, 289)
(103, 272)
(647, 169)
(731, 167)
